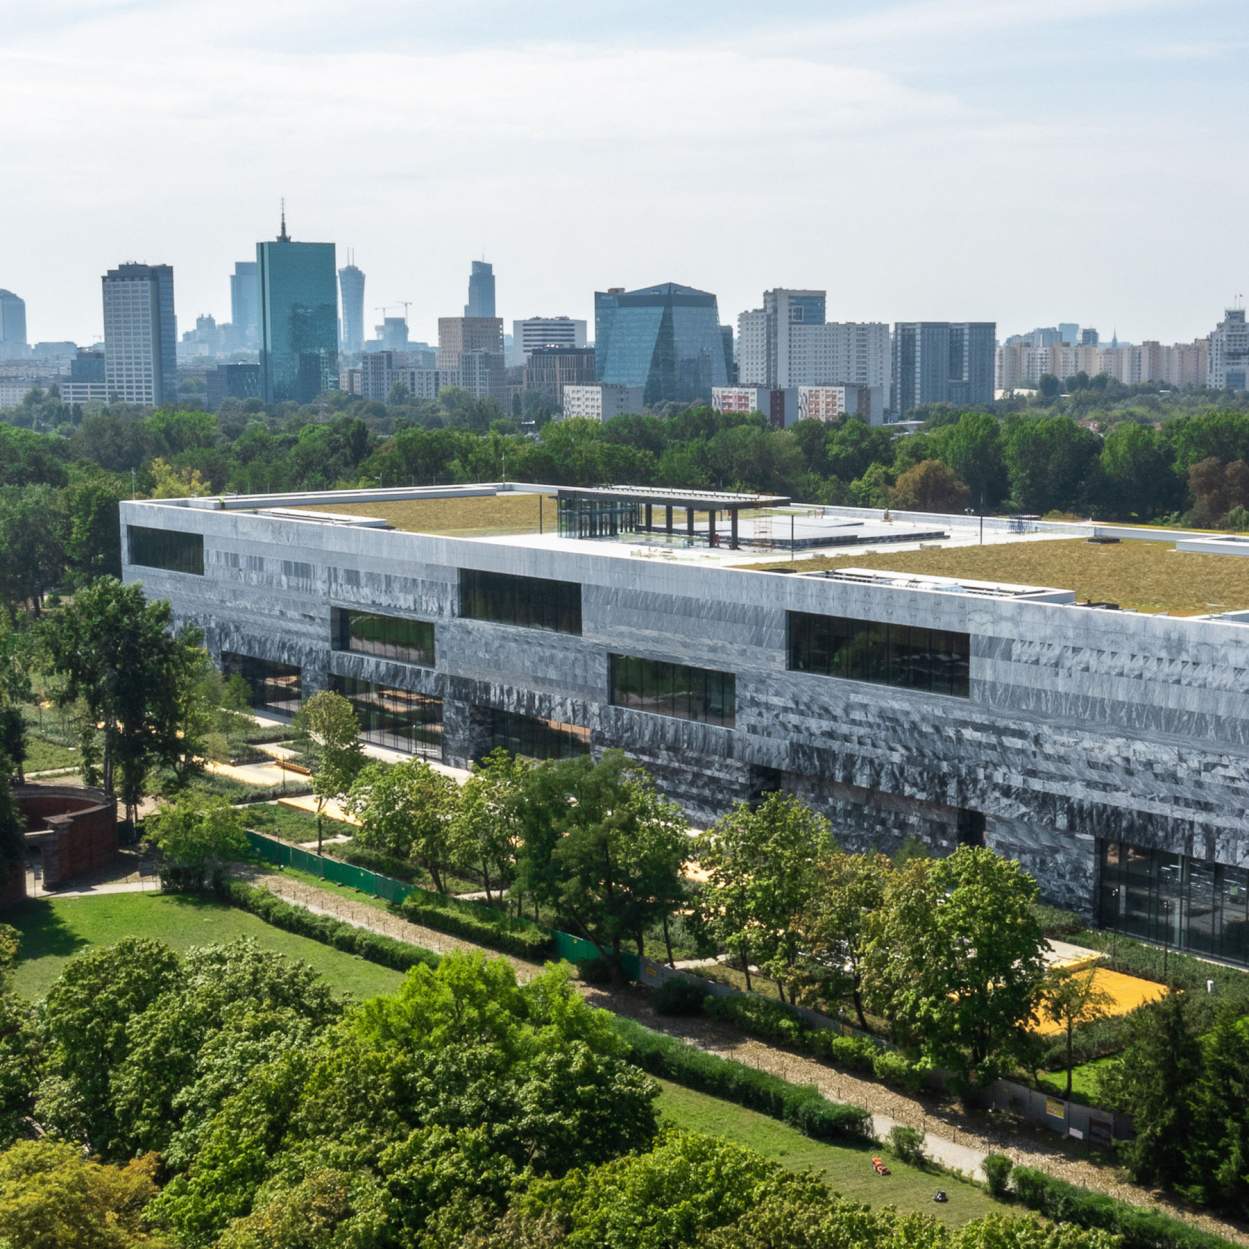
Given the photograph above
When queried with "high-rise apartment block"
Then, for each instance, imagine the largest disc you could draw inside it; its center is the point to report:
(534, 332)
(381, 371)
(140, 334)
(788, 343)
(298, 318)
(245, 303)
(480, 290)
(665, 339)
(13, 344)
(943, 362)
(1021, 365)
(351, 288)
(1228, 367)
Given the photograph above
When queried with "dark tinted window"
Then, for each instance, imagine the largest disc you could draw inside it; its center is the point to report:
(534, 602)
(387, 637)
(536, 738)
(936, 661)
(668, 689)
(166, 548)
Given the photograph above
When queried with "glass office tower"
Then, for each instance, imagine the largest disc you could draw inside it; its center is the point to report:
(665, 339)
(298, 319)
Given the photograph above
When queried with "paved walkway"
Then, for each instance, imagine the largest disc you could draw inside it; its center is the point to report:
(951, 1138)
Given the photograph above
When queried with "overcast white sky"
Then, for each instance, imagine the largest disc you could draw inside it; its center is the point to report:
(1026, 161)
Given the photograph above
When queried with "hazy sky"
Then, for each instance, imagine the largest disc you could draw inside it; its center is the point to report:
(1026, 161)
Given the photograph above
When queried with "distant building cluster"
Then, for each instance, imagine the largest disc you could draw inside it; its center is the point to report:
(297, 329)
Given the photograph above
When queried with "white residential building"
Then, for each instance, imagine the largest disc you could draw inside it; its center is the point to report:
(534, 332)
(601, 401)
(1228, 367)
(140, 334)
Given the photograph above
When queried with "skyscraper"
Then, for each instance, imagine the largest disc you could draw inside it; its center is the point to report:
(298, 319)
(140, 334)
(480, 290)
(535, 332)
(663, 338)
(943, 362)
(470, 355)
(12, 326)
(245, 303)
(351, 286)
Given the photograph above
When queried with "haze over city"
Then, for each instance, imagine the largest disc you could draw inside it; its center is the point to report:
(1005, 161)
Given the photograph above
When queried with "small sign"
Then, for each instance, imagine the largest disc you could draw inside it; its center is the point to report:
(1076, 1133)
(1055, 1109)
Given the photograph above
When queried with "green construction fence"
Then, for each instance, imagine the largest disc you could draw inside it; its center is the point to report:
(282, 854)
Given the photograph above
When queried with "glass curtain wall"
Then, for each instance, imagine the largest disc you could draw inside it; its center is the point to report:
(166, 548)
(386, 637)
(1188, 903)
(934, 661)
(397, 719)
(597, 518)
(667, 689)
(274, 688)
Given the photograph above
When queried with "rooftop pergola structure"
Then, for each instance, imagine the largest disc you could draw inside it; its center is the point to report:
(606, 511)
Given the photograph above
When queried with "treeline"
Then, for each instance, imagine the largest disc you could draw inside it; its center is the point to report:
(225, 1098)
(1183, 462)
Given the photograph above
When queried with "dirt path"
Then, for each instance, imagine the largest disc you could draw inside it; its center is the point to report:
(952, 1138)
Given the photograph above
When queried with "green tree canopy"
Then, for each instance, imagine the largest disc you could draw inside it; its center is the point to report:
(328, 726)
(198, 839)
(954, 959)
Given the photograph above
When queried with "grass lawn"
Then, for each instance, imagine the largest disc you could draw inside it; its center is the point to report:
(1084, 1080)
(1141, 576)
(468, 517)
(845, 1168)
(292, 824)
(55, 929)
(45, 756)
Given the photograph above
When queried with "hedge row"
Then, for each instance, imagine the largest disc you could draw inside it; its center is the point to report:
(400, 955)
(381, 863)
(1140, 1229)
(801, 1106)
(478, 922)
(779, 1024)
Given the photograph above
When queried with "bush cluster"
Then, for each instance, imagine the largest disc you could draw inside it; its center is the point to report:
(400, 955)
(381, 863)
(477, 921)
(772, 1021)
(801, 1106)
(1140, 1229)
(907, 1144)
(679, 995)
(997, 1169)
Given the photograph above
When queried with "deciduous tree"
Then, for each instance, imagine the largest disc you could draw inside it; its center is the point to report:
(330, 730)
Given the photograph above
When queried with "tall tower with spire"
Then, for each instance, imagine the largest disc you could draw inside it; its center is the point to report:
(351, 292)
(298, 318)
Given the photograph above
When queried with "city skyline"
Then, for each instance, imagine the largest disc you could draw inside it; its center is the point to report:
(1024, 132)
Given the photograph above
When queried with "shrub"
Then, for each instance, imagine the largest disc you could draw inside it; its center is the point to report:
(800, 1106)
(772, 1021)
(377, 949)
(1140, 1229)
(907, 1144)
(595, 971)
(997, 1173)
(478, 922)
(381, 863)
(679, 995)
(893, 1068)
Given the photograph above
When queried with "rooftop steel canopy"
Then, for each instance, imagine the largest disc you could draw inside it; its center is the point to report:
(700, 500)
(609, 511)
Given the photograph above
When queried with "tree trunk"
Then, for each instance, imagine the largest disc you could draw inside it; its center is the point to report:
(485, 876)
(436, 876)
(319, 842)
(1070, 1046)
(668, 943)
(746, 968)
(857, 994)
(780, 990)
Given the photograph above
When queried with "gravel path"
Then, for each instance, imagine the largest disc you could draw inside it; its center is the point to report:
(951, 1138)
